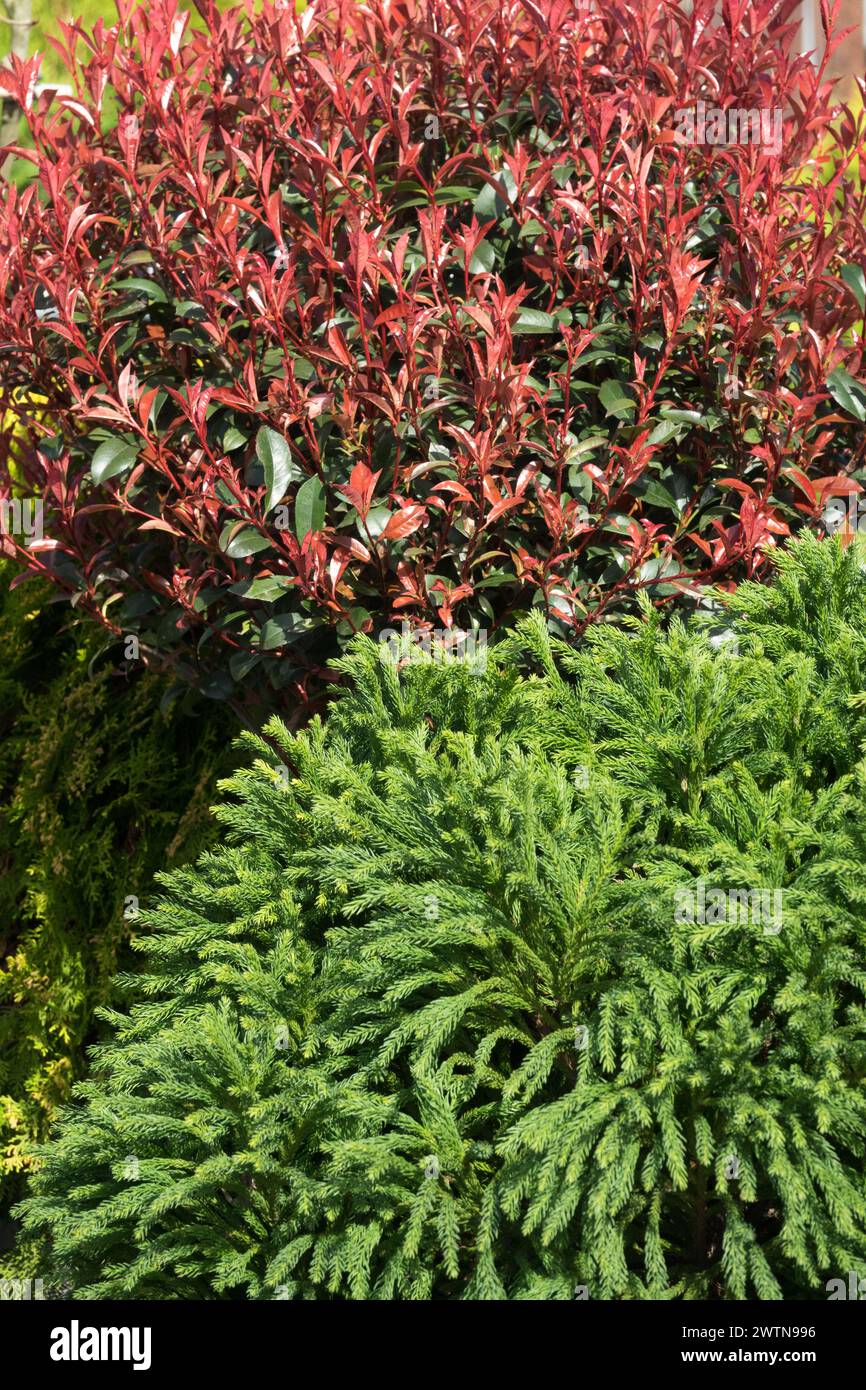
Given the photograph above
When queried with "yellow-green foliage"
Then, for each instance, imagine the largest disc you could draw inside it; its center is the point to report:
(98, 789)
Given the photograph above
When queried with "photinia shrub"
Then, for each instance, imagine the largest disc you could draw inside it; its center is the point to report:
(501, 987)
(315, 323)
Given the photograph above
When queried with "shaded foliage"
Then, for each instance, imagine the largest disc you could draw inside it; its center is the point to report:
(98, 789)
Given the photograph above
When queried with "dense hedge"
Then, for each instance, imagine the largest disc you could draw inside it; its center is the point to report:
(98, 788)
(539, 986)
(429, 310)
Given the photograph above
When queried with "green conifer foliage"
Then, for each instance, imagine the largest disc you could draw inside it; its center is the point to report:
(98, 789)
(538, 985)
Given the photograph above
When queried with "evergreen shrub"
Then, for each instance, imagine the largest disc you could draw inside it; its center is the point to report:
(315, 322)
(534, 983)
(98, 789)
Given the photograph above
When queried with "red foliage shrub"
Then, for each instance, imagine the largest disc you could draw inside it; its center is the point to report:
(424, 309)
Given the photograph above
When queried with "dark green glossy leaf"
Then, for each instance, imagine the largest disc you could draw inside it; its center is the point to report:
(309, 507)
(113, 457)
(242, 543)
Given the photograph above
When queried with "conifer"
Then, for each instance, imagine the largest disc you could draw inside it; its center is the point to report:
(542, 982)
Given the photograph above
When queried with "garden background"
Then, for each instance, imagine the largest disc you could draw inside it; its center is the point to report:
(323, 332)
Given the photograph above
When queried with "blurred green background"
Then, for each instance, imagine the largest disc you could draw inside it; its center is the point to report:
(46, 15)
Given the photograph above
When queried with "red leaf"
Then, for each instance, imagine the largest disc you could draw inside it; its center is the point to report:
(404, 522)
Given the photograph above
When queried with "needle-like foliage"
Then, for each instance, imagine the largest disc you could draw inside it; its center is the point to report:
(545, 984)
